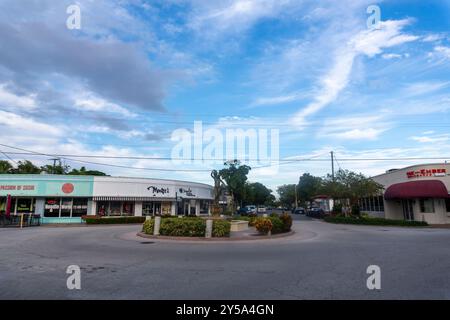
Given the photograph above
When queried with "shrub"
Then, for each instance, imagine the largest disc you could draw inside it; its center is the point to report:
(273, 214)
(221, 228)
(337, 209)
(287, 222)
(148, 226)
(277, 224)
(112, 220)
(263, 225)
(375, 221)
(182, 227)
(187, 227)
(356, 210)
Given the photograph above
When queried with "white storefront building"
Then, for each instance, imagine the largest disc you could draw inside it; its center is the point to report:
(419, 192)
(65, 198)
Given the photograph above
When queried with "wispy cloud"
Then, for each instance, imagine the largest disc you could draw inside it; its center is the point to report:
(367, 42)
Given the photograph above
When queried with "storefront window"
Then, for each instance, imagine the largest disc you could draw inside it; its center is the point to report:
(66, 207)
(127, 208)
(147, 208)
(2, 205)
(51, 207)
(157, 208)
(204, 206)
(166, 208)
(426, 205)
(79, 207)
(192, 209)
(24, 205)
(447, 204)
(381, 200)
(114, 208)
(102, 208)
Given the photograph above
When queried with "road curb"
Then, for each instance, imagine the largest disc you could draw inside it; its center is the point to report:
(201, 239)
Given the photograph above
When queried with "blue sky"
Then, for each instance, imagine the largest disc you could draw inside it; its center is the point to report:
(138, 70)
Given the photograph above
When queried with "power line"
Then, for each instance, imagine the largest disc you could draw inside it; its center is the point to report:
(217, 159)
(4, 153)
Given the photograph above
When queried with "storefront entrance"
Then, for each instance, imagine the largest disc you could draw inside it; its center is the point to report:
(408, 209)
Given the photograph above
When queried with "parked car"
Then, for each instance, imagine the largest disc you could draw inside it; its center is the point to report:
(315, 212)
(299, 210)
(245, 211)
(251, 208)
(262, 209)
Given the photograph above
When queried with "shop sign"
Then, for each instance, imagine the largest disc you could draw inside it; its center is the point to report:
(43, 186)
(188, 192)
(436, 172)
(17, 187)
(156, 190)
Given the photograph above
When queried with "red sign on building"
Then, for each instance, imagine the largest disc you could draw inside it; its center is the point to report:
(426, 173)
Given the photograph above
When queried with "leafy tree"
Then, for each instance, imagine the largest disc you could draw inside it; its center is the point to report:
(352, 186)
(26, 166)
(235, 176)
(5, 166)
(287, 194)
(84, 172)
(256, 193)
(308, 187)
(57, 169)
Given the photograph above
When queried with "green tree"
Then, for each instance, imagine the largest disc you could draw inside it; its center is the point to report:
(235, 177)
(258, 194)
(26, 166)
(308, 187)
(352, 186)
(57, 169)
(84, 172)
(287, 194)
(5, 166)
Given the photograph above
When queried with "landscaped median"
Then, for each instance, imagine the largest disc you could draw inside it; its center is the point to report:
(196, 227)
(187, 227)
(375, 221)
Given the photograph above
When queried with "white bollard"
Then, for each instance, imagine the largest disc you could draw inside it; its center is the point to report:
(157, 225)
(265, 215)
(209, 226)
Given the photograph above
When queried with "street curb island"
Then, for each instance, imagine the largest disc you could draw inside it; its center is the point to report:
(199, 239)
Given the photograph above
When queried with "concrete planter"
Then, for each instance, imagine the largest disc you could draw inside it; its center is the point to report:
(238, 225)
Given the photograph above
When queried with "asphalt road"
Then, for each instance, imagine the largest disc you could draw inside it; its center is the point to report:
(321, 261)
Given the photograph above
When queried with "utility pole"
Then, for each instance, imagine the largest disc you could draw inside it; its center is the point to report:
(295, 188)
(332, 165)
(54, 164)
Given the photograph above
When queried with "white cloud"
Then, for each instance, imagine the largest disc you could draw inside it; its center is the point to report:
(215, 18)
(17, 124)
(275, 100)
(11, 100)
(389, 56)
(432, 37)
(432, 139)
(89, 102)
(420, 88)
(362, 127)
(367, 42)
(445, 51)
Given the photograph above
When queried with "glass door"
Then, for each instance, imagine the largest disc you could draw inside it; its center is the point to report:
(408, 211)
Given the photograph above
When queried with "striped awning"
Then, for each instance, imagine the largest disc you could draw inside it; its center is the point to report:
(112, 198)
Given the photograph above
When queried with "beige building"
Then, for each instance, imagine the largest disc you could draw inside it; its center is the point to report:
(419, 192)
